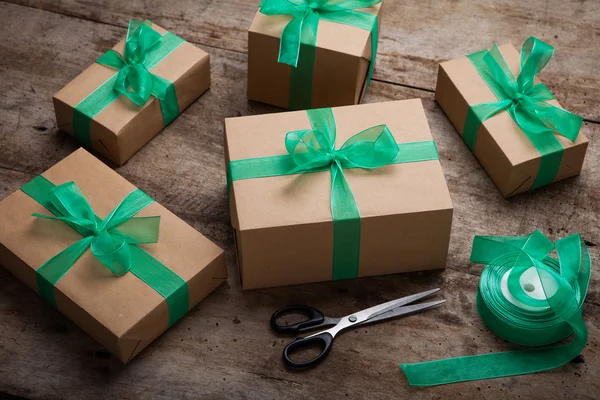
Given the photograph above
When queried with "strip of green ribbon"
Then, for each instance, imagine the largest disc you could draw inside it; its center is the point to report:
(313, 150)
(113, 241)
(526, 103)
(299, 37)
(535, 323)
(144, 49)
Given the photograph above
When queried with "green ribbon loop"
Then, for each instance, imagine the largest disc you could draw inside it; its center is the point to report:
(510, 312)
(113, 241)
(299, 37)
(144, 49)
(526, 103)
(314, 150)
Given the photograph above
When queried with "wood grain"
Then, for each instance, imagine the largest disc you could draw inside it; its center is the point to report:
(224, 348)
(416, 35)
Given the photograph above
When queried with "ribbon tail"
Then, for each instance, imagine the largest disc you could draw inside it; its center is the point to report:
(559, 120)
(289, 47)
(498, 365)
(132, 204)
(55, 268)
(140, 230)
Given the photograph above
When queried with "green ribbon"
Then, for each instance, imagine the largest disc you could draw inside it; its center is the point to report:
(314, 150)
(299, 37)
(535, 322)
(526, 103)
(144, 49)
(113, 241)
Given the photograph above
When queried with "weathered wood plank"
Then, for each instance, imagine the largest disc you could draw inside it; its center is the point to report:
(415, 36)
(224, 348)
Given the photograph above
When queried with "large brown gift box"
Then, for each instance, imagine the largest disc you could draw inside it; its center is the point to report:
(121, 312)
(122, 128)
(343, 55)
(283, 224)
(507, 155)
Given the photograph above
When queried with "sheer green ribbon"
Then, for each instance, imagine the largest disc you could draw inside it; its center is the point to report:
(535, 322)
(144, 49)
(314, 150)
(526, 103)
(113, 241)
(299, 37)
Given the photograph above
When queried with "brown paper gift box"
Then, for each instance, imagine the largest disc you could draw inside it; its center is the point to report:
(122, 313)
(341, 62)
(283, 225)
(123, 128)
(506, 154)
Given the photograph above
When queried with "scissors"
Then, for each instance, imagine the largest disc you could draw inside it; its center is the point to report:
(316, 319)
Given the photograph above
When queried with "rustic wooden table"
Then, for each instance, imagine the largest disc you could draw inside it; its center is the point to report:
(224, 347)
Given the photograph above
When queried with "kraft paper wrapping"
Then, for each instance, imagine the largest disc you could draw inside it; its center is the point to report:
(283, 225)
(122, 313)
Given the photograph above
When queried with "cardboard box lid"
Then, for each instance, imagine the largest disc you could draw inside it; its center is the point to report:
(330, 35)
(505, 132)
(118, 304)
(305, 198)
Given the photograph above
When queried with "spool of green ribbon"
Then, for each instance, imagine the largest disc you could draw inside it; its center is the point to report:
(299, 37)
(144, 49)
(526, 297)
(113, 241)
(526, 103)
(314, 150)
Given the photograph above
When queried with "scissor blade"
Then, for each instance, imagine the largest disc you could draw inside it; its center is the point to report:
(372, 312)
(400, 302)
(396, 312)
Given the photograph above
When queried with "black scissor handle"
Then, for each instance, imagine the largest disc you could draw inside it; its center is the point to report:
(315, 317)
(323, 338)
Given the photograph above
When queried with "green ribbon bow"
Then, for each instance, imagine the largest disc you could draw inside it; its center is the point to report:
(144, 49)
(523, 319)
(526, 103)
(314, 150)
(113, 241)
(302, 30)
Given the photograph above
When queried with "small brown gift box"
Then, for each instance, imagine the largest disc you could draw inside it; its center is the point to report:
(283, 224)
(343, 54)
(507, 155)
(121, 312)
(122, 128)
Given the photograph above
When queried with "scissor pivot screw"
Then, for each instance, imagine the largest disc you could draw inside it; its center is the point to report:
(352, 318)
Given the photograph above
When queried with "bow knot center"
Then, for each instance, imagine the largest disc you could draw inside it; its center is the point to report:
(518, 97)
(333, 156)
(313, 5)
(98, 230)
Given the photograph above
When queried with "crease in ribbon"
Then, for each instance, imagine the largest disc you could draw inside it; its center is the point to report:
(314, 150)
(526, 102)
(144, 49)
(299, 37)
(525, 320)
(113, 241)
